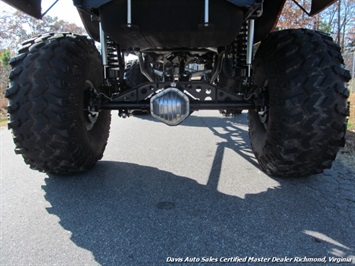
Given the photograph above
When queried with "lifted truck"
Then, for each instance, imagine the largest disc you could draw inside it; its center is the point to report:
(192, 55)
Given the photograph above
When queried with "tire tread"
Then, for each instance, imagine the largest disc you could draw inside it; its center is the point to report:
(44, 104)
(308, 109)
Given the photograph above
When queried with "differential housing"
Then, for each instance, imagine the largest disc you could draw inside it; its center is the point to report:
(170, 106)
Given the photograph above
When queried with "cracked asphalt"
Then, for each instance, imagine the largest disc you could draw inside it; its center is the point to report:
(164, 194)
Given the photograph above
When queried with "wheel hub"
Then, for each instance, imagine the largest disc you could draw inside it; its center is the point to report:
(91, 113)
(264, 116)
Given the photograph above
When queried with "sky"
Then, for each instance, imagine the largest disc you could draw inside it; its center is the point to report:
(64, 10)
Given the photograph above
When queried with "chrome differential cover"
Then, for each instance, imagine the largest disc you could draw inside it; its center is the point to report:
(170, 106)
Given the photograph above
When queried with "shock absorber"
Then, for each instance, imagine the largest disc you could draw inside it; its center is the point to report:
(112, 56)
(241, 50)
(103, 42)
(242, 55)
(244, 49)
(250, 44)
(112, 59)
(114, 65)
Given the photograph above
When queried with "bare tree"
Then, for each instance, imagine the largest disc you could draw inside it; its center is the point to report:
(293, 17)
(341, 21)
(17, 27)
(337, 20)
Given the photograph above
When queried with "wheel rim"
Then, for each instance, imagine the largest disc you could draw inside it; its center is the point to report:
(264, 108)
(264, 116)
(90, 111)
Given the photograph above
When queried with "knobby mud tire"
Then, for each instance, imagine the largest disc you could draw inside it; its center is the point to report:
(48, 81)
(133, 78)
(133, 74)
(302, 73)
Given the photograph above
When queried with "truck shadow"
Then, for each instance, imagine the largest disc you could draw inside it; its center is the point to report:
(129, 214)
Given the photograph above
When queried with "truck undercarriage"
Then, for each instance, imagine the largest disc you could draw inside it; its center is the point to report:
(191, 55)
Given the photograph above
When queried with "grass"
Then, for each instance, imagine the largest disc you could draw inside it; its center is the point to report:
(3, 121)
(351, 122)
(3, 117)
(349, 149)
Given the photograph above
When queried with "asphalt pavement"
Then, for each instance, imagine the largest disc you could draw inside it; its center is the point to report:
(191, 194)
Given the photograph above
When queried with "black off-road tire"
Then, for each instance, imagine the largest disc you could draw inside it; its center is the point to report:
(134, 77)
(302, 74)
(50, 83)
(133, 74)
(227, 81)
